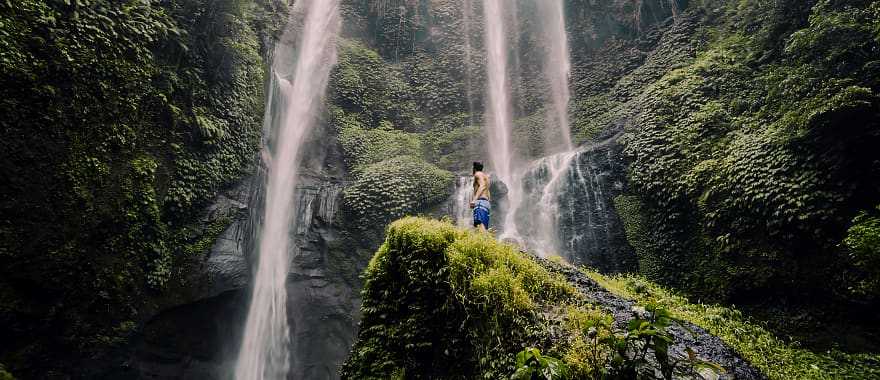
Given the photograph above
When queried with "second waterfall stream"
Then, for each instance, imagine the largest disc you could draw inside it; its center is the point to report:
(298, 82)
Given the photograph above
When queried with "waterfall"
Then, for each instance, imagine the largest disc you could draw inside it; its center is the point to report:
(557, 69)
(464, 191)
(467, 16)
(567, 207)
(499, 125)
(557, 167)
(264, 352)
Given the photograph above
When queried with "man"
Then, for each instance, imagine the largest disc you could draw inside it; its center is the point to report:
(480, 200)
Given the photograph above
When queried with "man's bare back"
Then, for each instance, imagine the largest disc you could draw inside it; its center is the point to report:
(480, 200)
(481, 187)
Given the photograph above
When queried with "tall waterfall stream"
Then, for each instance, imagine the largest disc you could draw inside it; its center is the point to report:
(299, 87)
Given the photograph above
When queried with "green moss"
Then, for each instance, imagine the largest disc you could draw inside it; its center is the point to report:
(863, 243)
(362, 147)
(443, 302)
(770, 354)
(629, 209)
(500, 278)
(395, 187)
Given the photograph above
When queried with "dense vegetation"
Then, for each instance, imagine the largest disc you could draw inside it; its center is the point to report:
(120, 120)
(751, 134)
(442, 302)
(751, 161)
(750, 127)
(380, 127)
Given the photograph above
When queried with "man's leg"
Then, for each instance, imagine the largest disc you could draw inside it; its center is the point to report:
(481, 218)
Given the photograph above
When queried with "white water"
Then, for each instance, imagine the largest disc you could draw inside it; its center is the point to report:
(464, 191)
(498, 118)
(467, 16)
(499, 114)
(557, 69)
(546, 241)
(265, 349)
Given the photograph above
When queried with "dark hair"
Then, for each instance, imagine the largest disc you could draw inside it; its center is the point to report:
(478, 166)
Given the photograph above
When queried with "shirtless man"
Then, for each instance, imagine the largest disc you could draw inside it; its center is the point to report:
(481, 198)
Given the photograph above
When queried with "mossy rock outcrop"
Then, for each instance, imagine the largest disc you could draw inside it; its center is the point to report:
(444, 302)
(428, 296)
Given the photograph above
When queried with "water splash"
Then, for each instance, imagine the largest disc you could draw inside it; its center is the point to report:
(557, 170)
(299, 87)
(567, 207)
(464, 191)
(557, 70)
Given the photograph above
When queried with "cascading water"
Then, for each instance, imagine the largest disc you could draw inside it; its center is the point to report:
(264, 353)
(464, 190)
(546, 240)
(467, 20)
(557, 69)
(499, 124)
(567, 207)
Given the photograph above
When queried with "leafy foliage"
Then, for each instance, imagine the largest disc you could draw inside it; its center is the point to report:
(120, 120)
(395, 187)
(370, 92)
(599, 351)
(531, 365)
(750, 160)
(863, 242)
(380, 129)
(363, 147)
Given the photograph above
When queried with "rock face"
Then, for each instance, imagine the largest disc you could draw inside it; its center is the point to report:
(200, 337)
(705, 345)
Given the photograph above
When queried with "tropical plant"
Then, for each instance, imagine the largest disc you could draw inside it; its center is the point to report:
(531, 365)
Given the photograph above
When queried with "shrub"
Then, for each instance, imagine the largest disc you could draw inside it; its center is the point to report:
(362, 147)
(395, 187)
(863, 243)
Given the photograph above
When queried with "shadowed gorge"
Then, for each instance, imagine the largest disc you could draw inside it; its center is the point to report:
(281, 189)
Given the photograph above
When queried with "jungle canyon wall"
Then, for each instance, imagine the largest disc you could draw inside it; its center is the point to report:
(670, 75)
(117, 135)
(746, 169)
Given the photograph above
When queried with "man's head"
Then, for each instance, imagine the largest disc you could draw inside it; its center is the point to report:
(478, 166)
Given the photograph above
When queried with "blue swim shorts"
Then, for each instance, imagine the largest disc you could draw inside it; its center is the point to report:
(481, 212)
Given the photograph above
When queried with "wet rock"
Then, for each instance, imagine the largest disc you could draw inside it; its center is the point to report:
(707, 346)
